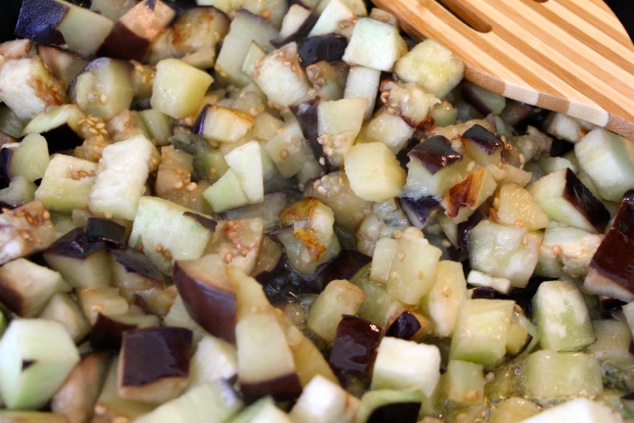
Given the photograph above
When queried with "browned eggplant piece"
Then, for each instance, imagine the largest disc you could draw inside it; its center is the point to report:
(208, 295)
(611, 273)
(355, 348)
(154, 363)
(76, 398)
(132, 35)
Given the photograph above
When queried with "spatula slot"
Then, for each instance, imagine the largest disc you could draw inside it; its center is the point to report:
(466, 14)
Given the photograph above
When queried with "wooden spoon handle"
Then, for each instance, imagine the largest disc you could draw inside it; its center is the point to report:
(571, 56)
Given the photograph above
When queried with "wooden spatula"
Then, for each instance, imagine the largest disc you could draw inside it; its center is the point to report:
(571, 56)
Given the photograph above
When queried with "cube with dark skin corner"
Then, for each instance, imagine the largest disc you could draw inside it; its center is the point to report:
(210, 301)
(355, 347)
(154, 364)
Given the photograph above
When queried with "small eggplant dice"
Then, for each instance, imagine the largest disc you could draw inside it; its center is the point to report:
(154, 364)
(355, 347)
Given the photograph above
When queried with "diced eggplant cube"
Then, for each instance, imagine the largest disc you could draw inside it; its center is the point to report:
(374, 44)
(36, 355)
(178, 88)
(26, 287)
(355, 347)
(70, 175)
(433, 66)
(609, 272)
(154, 363)
(25, 230)
(120, 178)
(28, 87)
(81, 263)
(131, 36)
(422, 372)
(108, 231)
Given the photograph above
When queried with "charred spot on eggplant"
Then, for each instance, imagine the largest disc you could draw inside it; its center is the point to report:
(355, 347)
(580, 196)
(329, 47)
(435, 153)
(104, 230)
(404, 326)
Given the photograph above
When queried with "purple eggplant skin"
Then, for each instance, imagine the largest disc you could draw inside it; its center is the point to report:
(580, 196)
(75, 244)
(38, 21)
(345, 266)
(435, 153)
(613, 258)
(211, 305)
(112, 233)
(404, 326)
(487, 140)
(395, 412)
(5, 159)
(306, 114)
(124, 44)
(328, 47)
(154, 353)
(107, 332)
(301, 33)
(136, 262)
(283, 388)
(419, 211)
(470, 97)
(355, 347)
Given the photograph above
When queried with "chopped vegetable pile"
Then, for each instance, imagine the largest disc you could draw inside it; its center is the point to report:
(290, 211)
